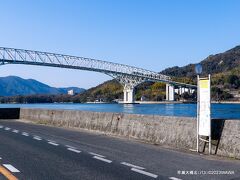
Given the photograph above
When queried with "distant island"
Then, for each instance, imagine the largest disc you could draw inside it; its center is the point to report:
(14, 89)
(224, 68)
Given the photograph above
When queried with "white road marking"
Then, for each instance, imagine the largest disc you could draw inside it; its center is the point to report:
(53, 143)
(95, 154)
(7, 128)
(0, 158)
(1, 126)
(15, 131)
(50, 140)
(70, 147)
(11, 168)
(132, 165)
(194, 150)
(37, 138)
(102, 159)
(144, 172)
(73, 150)
(25, 134)
(174, 178)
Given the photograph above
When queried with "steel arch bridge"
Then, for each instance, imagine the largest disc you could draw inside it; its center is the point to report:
(128, 76)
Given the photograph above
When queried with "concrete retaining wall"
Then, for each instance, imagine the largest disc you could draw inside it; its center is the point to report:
(175, 132)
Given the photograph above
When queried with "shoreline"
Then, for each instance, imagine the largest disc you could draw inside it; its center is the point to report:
(136, 102)
(226, 102)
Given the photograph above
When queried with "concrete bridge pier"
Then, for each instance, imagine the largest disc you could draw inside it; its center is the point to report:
(129, 83)
(180, 90)
(170, 92)
(192, 90)
(128, 95)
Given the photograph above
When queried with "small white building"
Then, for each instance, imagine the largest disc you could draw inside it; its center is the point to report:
(71, 92)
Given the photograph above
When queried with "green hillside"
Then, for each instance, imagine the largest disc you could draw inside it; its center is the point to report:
(213, 64)
(225, 71)
(224, 68)
(112, 90)
(108, 91)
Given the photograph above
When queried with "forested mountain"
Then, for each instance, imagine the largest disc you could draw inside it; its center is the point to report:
(228, 61)
(13, 85)
(225, 71)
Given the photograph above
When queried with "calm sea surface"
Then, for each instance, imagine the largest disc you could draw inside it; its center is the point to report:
(228, 111)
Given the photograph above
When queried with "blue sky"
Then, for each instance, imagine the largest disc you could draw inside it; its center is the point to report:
(152, 34)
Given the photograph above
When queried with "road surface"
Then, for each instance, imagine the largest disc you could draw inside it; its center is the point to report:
(37, 152)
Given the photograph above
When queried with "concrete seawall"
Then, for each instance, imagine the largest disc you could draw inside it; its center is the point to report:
(174, 132)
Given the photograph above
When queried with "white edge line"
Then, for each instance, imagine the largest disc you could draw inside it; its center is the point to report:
(174, 178)
(102, 159)
(37, 138)
(48, 140)
(132, 165)
(68, 146)
(144, 172)
(7, 128)
(11, 168)
(15, 131)
(95, 154)
(73, 150)
(25, 134)
(53, 143)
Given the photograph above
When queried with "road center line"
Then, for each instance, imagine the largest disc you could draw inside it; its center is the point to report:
(95, 154)
(73, 150)
(15, 131)
(144, 172)
(102, 159)
(174, 178)
(132, 165)
(11, 168)
(53, 143)
(7, 128)
(25, 134)
(1, 126)
(7, 174)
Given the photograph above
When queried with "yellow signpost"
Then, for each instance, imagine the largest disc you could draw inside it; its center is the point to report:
(204, 110)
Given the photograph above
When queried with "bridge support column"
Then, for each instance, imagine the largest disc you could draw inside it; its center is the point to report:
(180, 90)
(129, 83)
(170, 92)
(128, 95)
(192, 91)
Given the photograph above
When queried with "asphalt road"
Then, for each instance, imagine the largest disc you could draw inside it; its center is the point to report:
(35, 152)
